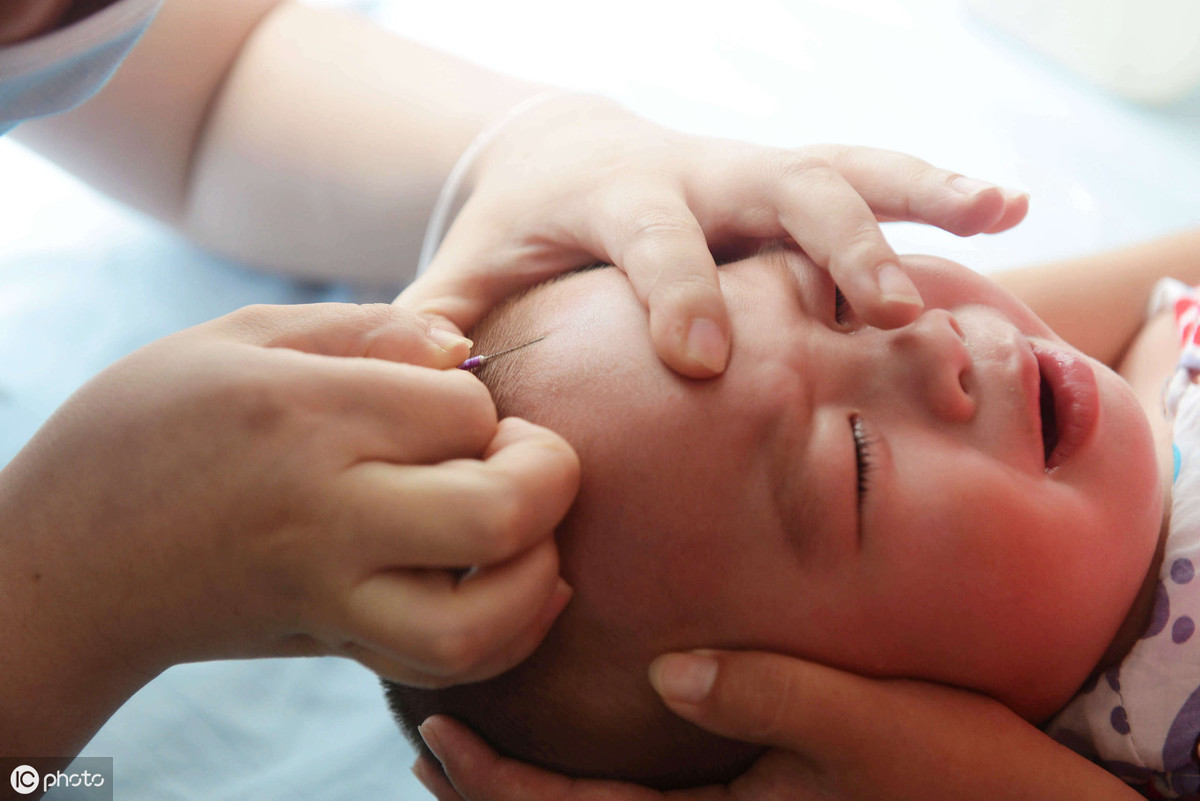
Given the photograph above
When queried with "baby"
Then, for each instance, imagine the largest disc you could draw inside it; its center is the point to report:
(967, 499)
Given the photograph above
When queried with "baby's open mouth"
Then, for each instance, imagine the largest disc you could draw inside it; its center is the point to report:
(1068, 400)
(1049, 420)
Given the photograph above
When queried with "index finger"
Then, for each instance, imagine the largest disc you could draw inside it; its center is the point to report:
(466, 512)
(837, 228)
(830, 200)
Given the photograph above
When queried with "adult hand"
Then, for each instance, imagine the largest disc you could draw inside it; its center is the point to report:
(579, 179)
(275, 482)
(833, 735)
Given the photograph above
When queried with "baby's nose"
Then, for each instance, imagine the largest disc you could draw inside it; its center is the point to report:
(932, 361)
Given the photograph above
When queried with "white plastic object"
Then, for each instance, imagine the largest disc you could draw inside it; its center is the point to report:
(1145, 50)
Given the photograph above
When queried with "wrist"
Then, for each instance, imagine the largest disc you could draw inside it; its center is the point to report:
(463, 177)
(513, 137)
(550, 118)
(64, 674)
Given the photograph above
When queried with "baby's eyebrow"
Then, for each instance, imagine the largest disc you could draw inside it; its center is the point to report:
(778, 255)
(799, 274)
(791, 479)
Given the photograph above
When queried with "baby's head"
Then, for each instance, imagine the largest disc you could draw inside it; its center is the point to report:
(894, 503)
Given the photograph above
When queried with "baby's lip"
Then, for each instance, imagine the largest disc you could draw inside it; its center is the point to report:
(1030, 377)
(1069, 377)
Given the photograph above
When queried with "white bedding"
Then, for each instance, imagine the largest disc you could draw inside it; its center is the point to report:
(83, 281)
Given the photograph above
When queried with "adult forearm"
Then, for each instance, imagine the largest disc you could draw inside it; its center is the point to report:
(330, 142)
(313, 142)
(64, 674)
(1098, 302)
(134, 140)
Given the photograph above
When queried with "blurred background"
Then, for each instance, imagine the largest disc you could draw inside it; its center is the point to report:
(1091, 107)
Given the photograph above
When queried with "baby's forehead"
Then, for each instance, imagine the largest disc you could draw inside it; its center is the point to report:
(587, 319)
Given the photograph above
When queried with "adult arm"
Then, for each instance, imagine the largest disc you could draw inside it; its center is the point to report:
(288, 137)
(833, 735)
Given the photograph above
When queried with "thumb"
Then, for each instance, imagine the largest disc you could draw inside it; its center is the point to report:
(376, 330)
(766, 698)
(455, 298)
(805, 707)
(919, 740)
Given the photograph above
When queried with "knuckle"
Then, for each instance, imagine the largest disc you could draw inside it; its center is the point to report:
(920, 172)
(835, 155)
(655, 226)
(501, 530)
(384, 326)
(682, 289)
(802, 167)
(379, 317)
(862, 248)
(768, 715)
(905, 205)
(866, 237)
(253, 320)
(255, 312)
(253, 404)
(473, 408)
(494, 525)
(454, 650)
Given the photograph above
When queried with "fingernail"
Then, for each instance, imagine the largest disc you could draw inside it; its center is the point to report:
(706, 345)
(896, 287)
(449, 341)
(687, 678)
(969, 186)
(431, 739)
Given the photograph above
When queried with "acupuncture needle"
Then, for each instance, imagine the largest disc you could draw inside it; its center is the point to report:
(479, 361)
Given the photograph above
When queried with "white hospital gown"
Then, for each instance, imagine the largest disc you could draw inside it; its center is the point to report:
(1141, 718)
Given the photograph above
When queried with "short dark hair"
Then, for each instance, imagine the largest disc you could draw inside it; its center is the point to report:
(561, 709)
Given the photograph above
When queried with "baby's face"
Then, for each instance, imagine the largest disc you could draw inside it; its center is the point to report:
(877, 500)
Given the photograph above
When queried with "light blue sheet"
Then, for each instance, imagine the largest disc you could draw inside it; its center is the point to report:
(83, 282)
